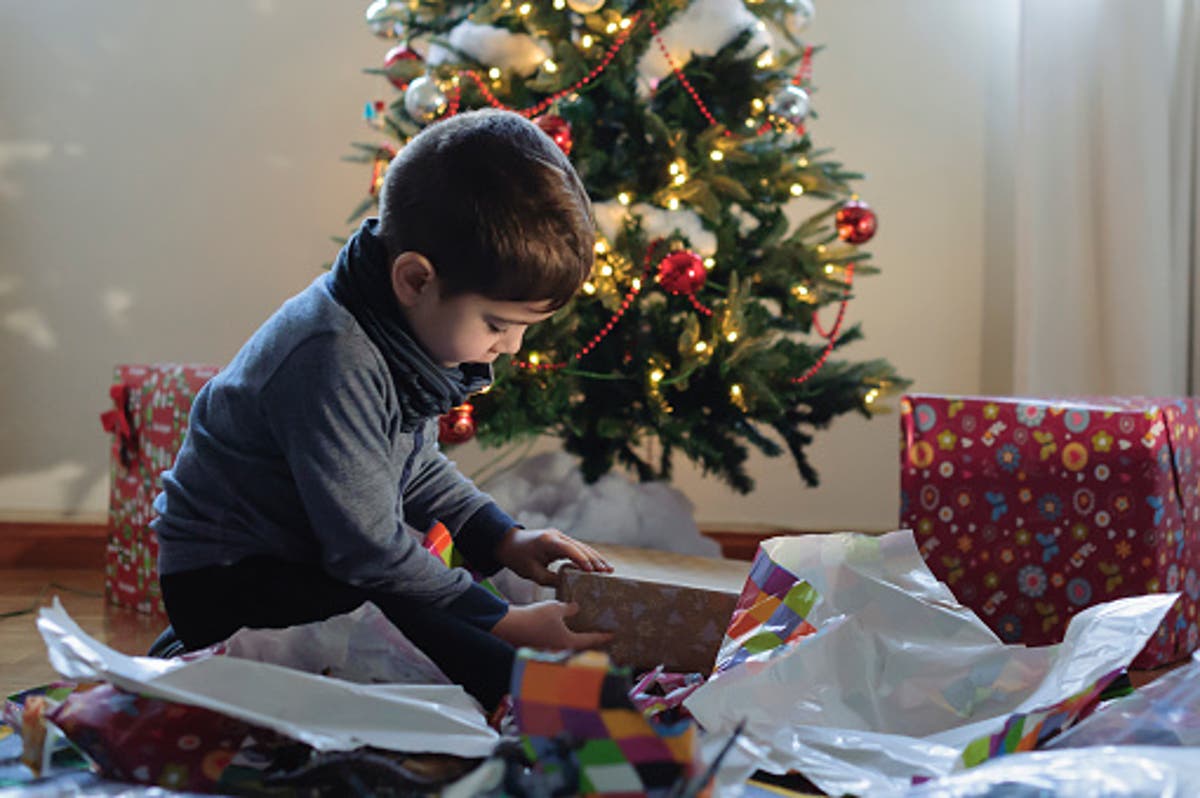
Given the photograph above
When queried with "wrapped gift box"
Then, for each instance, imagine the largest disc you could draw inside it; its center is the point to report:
(1031, 510)
(663, 608)
(148, 421)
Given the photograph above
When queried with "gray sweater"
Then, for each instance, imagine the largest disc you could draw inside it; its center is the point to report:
(298, 450)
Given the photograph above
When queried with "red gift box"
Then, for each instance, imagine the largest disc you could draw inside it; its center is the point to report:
(1031, 510)
(148, 421)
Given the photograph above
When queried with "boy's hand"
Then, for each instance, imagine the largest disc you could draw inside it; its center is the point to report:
(527, 552)
(543, 625)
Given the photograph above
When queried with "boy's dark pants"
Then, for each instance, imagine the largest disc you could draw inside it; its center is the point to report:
(208, 605)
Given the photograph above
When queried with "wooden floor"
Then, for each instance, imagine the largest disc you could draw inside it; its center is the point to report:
(23, 661)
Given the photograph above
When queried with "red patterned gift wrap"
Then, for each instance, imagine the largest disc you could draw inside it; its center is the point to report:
(1031, 510)
(148, 419)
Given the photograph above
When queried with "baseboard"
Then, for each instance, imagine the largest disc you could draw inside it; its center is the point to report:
(80, 544)
(52, 543)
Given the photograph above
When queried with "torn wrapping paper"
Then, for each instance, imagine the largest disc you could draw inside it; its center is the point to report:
(327, 714)
(362, 646)
(439, 542)
(584, 735)
(1164, 712)
(1110, 771)
(898, 677)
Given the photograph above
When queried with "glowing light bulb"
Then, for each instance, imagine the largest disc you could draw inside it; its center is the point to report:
(606, 270)
(680, 179)
(709, 263)
(871, 396)
(797, 189)
(751, 123)
(611, 28)
(757, 104)
(717, 155)
(732, 336)
(829, 268)
(589, 288)
(802, 163)
(535, 358)
(600, 248)
(549, 66)
(765, 60)
(624, 198)
(735, 390)
(674, 168)
(559, 5)
(524, 9)
(494, 73)
(701, 346)
(636, 284)
(673, 203)
(656, 375)
(625, 23)
(587, 40)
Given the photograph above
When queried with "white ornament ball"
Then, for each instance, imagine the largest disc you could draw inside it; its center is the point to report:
(424, 100)
(585, 6)
(383, 18)
(791, 104)
(798, 16)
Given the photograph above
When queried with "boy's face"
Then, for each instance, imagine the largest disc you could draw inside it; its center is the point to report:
(470, 328)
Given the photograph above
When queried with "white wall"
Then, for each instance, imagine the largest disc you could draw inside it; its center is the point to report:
(169, 174)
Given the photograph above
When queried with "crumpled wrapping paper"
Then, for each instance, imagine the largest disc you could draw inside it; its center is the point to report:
(326, 713)
(898, 677)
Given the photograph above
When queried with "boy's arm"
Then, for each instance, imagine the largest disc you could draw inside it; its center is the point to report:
(327, 412)
(438, 491)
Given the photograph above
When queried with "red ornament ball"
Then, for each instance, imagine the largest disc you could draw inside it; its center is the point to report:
(855, 222)
(558, 129)
(401, 65)
(682, 272)
(457, 426)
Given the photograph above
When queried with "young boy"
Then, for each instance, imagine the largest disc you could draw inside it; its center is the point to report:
(309, 453)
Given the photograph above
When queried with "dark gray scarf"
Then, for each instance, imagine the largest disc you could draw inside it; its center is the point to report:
(362, 282)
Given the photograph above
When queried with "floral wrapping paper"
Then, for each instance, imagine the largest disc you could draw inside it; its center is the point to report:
(147, 421)
(1031, 510)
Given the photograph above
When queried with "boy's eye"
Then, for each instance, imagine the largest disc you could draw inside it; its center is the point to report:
(495, 328)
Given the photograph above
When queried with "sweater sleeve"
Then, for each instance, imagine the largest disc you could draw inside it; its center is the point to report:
(438, 491)
(327, 408)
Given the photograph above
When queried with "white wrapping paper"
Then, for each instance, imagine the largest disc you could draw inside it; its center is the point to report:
(899, 677)
(327, 714)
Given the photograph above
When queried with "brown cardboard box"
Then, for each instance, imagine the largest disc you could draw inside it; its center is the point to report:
(664, 608)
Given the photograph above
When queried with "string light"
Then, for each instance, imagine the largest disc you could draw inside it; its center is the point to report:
(624, 198)
(587, 40)
(625, 23)
(732, 336)
(494, 73)
(535, 358)
(701, 346)
(600, 247)
(549, 66)
(606, 270)
(709, 263)
(758, 105)
(717, 155)
(636, 284)
(797, 189)
(589, 288)
(524, 9)
(765, 60)
(871, 396)
(673, 203)
(829, 268)
(559, 5)
(610, 28)
(656, 375)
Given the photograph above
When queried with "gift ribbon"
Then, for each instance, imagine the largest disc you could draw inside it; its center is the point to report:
(118, 422)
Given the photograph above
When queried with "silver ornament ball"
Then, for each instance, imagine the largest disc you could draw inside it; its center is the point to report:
(791, 104)
(798, 15)
(424, 100)
(383, 18)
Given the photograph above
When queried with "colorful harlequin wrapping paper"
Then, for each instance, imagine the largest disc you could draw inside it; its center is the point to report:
(440, 543)
(148, 420)
(1031, 510)
(771, 612)
(898, 676)
(1029, 731)
(576, 720)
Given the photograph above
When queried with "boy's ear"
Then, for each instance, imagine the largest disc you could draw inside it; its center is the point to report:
(413, 277)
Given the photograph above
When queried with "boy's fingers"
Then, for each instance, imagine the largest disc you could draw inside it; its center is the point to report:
(581, 640)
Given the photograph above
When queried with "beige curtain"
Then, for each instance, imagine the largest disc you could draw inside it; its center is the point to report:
(1106, 200)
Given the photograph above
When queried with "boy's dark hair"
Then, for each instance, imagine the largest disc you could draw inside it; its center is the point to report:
(495, 206)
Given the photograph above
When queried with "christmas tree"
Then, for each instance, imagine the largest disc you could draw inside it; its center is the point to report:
(722, 230)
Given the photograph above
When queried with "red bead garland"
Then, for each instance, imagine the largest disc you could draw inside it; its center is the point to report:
(831, 336)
